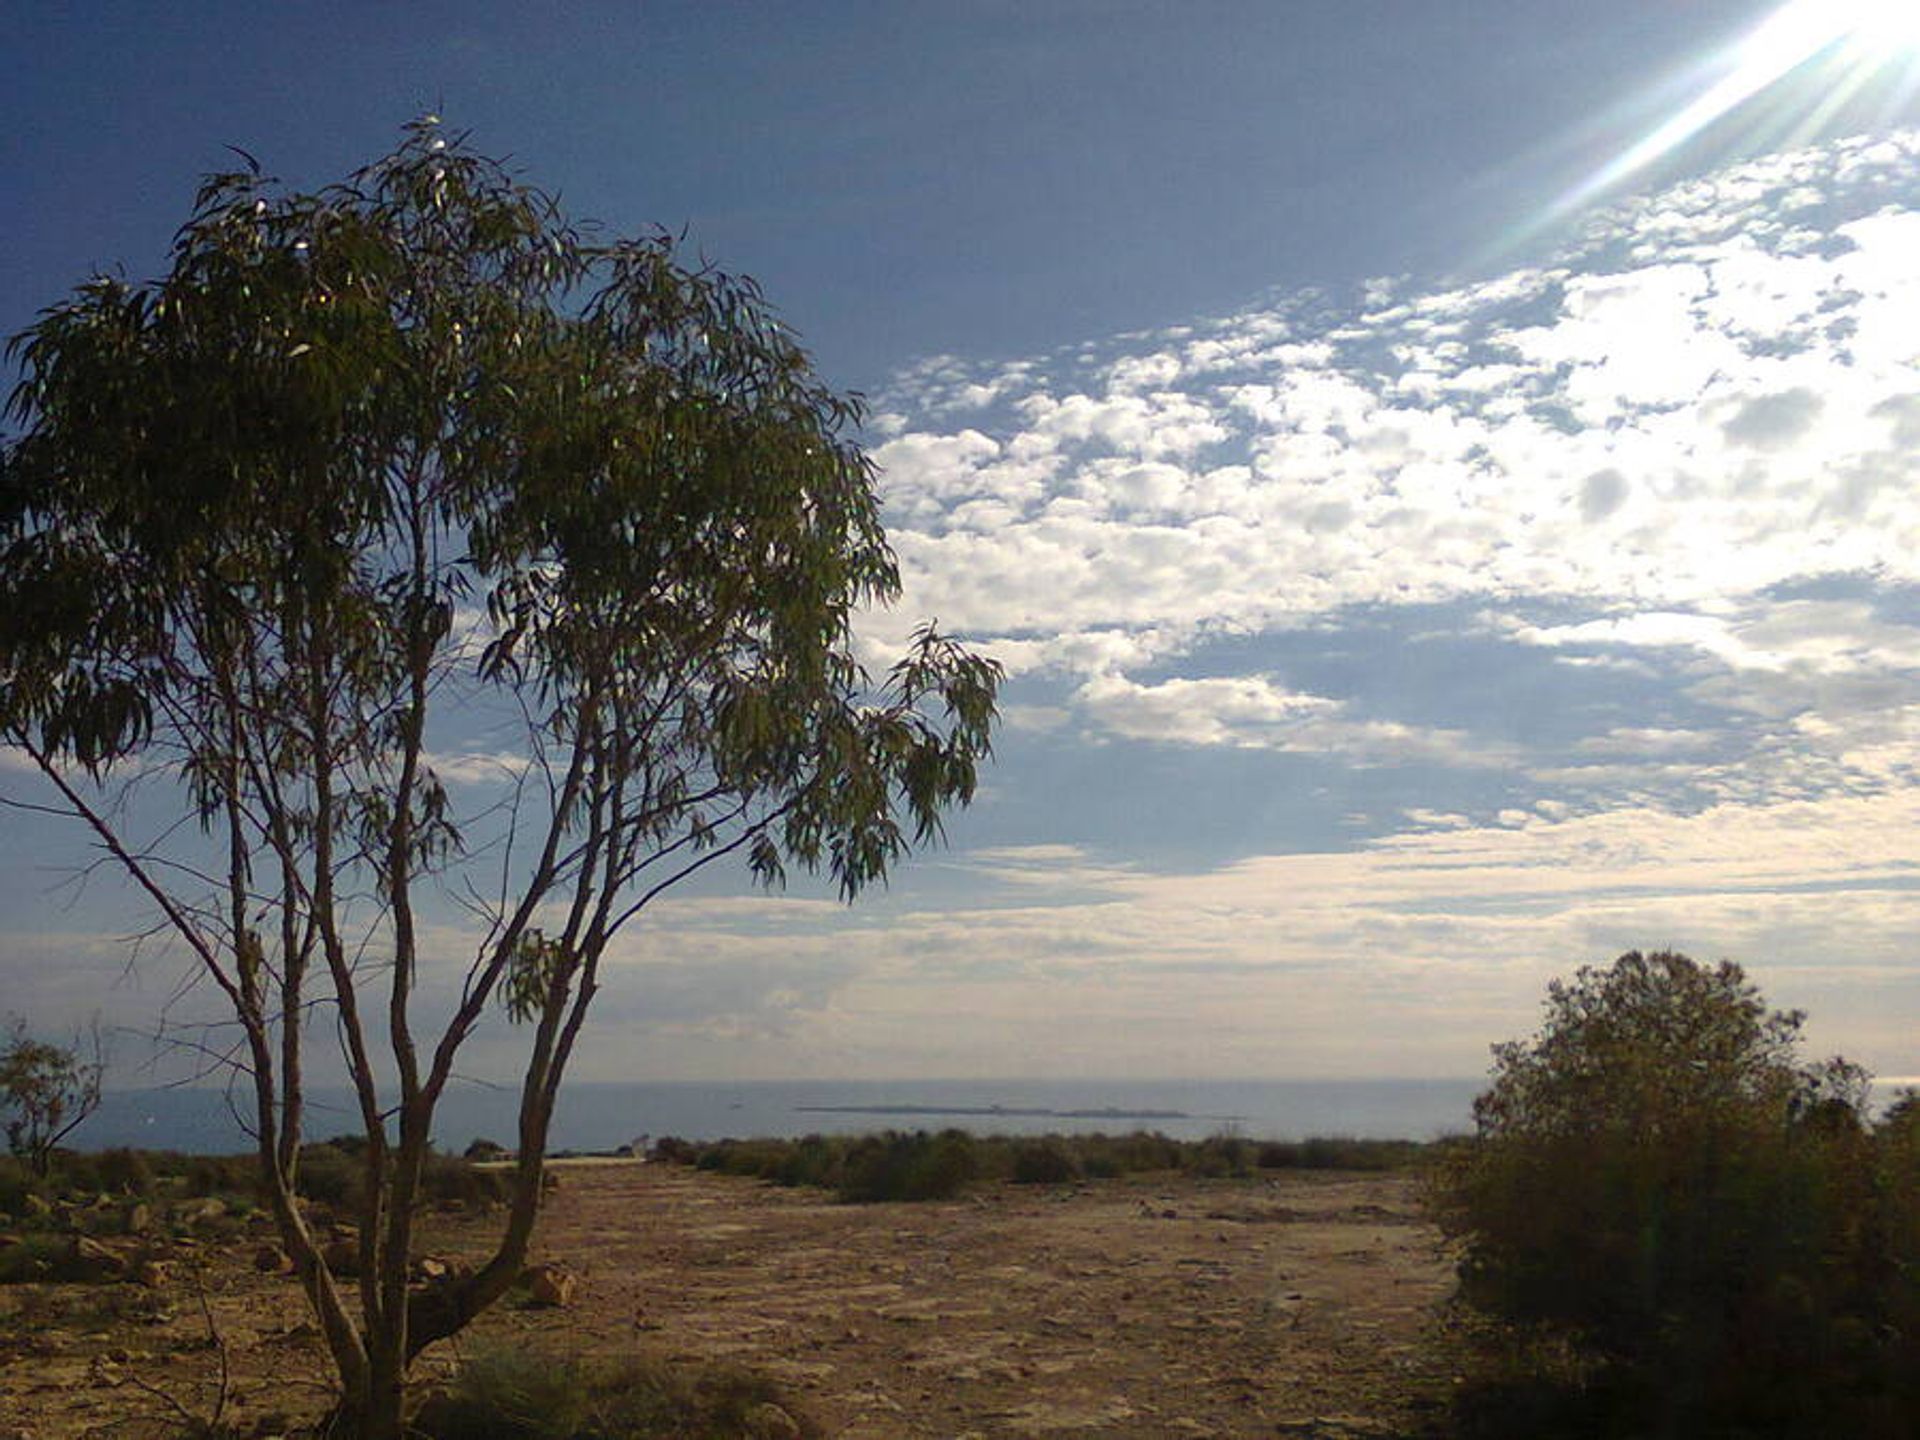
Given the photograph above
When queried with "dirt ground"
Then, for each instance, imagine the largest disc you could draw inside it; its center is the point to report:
(1295, 1304)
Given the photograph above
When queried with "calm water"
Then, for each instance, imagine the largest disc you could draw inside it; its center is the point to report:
(600, 1117)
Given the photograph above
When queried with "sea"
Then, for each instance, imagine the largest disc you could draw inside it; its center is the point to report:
(603, 1117)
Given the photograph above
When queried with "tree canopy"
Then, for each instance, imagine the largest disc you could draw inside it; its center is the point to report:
(414, 452)
(49, 1091)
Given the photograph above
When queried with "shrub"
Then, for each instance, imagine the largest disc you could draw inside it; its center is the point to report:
(672, 1150)
(1659, 1180)
(110, 1172)
(812, 1160)
(330, 1175)
(1220, 1156)
(446, 1178)
(515, 1394)
(1043, 1162)
(1107, 1156)
(206, 1175)
(916, 1166)
(1332, 1152)
(17, 1182)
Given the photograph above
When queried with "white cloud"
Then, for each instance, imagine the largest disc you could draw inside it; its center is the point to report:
(476, 767)
(1718, 395)
(1252, 712)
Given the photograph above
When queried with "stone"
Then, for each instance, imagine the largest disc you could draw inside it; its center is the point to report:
(153, 1274)
(551, 1284)
(767, 1421)
(429, 1268)
(139, 1217)
(200, 1211)
(95, 1256)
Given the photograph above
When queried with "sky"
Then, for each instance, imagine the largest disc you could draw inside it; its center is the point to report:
(1440, 477)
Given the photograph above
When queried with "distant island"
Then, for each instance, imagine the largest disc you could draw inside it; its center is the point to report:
(1041, 1112)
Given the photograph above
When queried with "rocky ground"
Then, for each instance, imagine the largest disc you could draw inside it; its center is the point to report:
(1294, 1304)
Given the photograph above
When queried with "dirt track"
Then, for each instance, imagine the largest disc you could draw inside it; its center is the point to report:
(1300, 1305)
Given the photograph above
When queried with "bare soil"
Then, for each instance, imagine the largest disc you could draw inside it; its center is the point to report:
(1299, 1304)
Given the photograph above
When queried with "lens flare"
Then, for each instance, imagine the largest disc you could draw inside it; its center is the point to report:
(1854, 42)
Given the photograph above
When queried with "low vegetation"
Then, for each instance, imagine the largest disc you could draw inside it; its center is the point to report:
(517, 1394)
(919, 1165)
(1678, 1226)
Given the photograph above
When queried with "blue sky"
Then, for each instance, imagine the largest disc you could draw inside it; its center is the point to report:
(1440, 475)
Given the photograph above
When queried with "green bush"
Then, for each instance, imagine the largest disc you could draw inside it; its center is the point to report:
(1045, 1161)
(918, 1166)
(812, 1160)
(672, 1150)
(1659, 1181)
(899, 1166)
(17, 1182)
(1328, 1152)
(1220, 1156)
(330, 1174)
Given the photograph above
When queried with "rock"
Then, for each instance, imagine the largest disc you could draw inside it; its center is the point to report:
(551, 1284)
(153, 1274)
(139, 1217)
(95, 1256)
(271, 1260)
(767, 1421)
(429, 1268)
(200, 1211)
(37, 1207)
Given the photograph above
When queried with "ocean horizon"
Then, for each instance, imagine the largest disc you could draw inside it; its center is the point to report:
(606, 1115)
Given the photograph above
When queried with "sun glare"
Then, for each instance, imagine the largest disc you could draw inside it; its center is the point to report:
(1893, 23)
(1844, 45)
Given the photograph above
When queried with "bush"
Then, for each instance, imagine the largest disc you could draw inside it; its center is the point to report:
(1658, 1180)
(330, 1174)
(915, 1166)
(1220, 1156)
(1043, 1162)
(210, 1175)
(127, 1171)
(455, 1179)
(515, 1394)
(672, 1150)
(1327, 1152)
(17, 1182)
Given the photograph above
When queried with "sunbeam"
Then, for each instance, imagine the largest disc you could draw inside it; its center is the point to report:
(1841, 46)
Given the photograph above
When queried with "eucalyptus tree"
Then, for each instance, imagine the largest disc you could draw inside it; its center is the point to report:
(372, 461)
(49, 1091)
